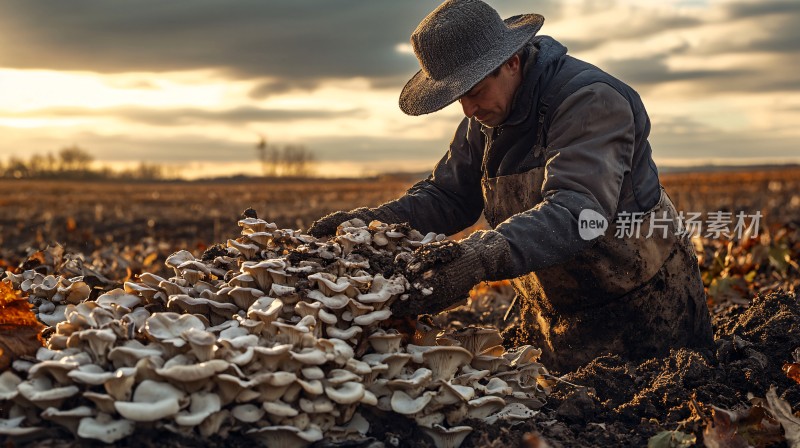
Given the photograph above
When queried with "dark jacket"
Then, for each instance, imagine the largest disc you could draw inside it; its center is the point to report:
(587, 129)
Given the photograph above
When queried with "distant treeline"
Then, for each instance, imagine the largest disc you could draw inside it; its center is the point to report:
(75, 163)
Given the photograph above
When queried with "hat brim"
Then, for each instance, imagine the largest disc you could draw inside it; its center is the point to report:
(423, 94)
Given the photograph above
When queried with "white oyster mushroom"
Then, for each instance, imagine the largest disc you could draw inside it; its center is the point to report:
(385, 342)
(76, 292)
(484, 406)
(90, 374)
(185, 303)
(512, 411)
(337, 350)
(8, 385)
(266, 309)
(394, 361)
(444, 361)
(453, 394)
(313, 373)
(103, 402)
(203, 343)
(402, 403)
(69, 418)
(128, 354)
(99, 341)
(44, 394)
(168, 327)
(244, 297)
(373, 317)
(120, 386)
(278, 408)
(447, 437)
(348, 393)
(11, 427)
(334, 302)
(253, 225)
(119, 298)
(496, 386)
(329, 284)
(248, 250)
(345, 335)
(202, 405)
(477, 339)
(182, 368)
(414, 382)
(104, 428)
(286, 436)
(54, 317)
(383, 289)
(151, 401)
(178, 258)
(247, 413)
(311, 387)
(59, 370)
(46, 307)
(310, 356)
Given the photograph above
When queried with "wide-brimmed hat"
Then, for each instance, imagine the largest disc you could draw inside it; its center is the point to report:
(457, 45)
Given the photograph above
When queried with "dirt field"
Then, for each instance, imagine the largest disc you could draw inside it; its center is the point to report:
(701, 398)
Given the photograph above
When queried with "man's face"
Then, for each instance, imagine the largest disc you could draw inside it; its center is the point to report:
(490, 100)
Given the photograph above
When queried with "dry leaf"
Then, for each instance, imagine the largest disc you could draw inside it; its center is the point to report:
(671, 439)
(783, 413)
(20, 331)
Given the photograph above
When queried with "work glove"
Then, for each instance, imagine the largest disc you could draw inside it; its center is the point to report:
(441, 274)
(326, 226)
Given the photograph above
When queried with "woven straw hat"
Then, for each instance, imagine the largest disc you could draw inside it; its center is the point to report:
(457, 45)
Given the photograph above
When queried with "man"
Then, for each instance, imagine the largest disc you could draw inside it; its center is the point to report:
(554, 152)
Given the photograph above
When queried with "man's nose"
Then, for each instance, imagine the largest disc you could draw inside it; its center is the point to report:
(469, 107)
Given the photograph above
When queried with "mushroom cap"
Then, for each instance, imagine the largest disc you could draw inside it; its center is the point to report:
(348, 393)
(279, 409)
(202, 405)
(11, 427)
(181, 368)
(286, 436)
(41, 391)
(8, 385)
(445, 360)
(373, 317)
(247, 413)
(104, 428)
(168, 326)
(119, 298)
(447, 437)
(512, 411)
(484, 406)
(152, 401)
(402, 403)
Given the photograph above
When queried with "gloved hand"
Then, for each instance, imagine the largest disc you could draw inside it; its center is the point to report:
(442, 273)
(326, 226)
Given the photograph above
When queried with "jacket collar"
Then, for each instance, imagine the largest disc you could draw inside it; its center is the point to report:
(541, 58)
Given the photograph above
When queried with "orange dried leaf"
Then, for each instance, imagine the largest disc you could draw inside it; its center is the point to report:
(792, 370)
(20, 331)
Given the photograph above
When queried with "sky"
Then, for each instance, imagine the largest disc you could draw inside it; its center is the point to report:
(194, 85)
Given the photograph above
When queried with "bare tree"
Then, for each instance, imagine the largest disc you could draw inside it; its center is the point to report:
(75, 159)
(289, 160)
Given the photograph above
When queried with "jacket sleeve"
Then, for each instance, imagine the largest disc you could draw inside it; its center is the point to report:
(591, 142)
(450, 199)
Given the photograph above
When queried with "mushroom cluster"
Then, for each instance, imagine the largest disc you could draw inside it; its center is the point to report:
(278, 336)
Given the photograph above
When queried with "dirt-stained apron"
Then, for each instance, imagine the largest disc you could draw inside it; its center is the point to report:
(633, 296)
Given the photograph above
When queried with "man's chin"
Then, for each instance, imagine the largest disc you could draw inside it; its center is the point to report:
(488, 122)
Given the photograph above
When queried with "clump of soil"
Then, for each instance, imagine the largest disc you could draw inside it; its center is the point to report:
(611, 401)
(614, 402)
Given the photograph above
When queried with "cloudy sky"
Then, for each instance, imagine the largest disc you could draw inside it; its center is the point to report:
(194, 84)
